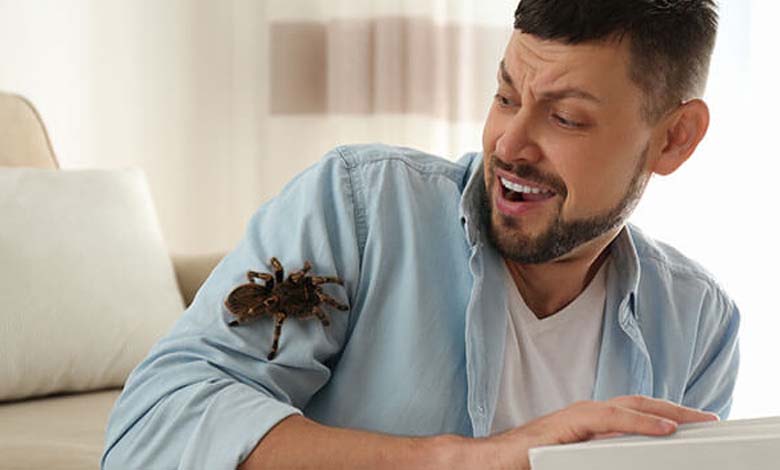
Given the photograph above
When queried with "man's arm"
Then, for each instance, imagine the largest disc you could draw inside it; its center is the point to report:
(297, 442)
(207, 393)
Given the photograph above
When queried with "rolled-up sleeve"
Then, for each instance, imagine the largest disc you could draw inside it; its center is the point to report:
(206, 393)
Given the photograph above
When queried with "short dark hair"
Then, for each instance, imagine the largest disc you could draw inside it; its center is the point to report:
(671, 40)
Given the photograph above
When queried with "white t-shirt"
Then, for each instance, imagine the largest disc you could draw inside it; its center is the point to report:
(550, 363)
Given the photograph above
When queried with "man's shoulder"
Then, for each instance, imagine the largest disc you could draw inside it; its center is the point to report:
(666, 264)
(405, 159)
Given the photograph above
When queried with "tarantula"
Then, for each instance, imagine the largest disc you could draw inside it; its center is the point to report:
(299, 296)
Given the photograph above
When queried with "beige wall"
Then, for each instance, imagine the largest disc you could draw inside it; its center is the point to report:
(170, 86)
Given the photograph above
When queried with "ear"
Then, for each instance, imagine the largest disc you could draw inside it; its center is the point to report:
(683, 130)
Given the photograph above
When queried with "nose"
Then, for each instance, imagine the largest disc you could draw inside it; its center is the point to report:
(517, 141)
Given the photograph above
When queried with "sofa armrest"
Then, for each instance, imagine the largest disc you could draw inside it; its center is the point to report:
(192, 271)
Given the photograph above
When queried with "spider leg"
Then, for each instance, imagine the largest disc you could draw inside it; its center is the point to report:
(331, 301)
(280, 317)
(296, 277)
(323, 318)
(317, 280)
(278, 270)
(269, 280)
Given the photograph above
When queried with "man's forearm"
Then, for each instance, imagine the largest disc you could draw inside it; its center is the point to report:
(297, 442)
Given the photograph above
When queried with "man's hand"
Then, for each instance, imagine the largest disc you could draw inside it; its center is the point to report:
(588, 420)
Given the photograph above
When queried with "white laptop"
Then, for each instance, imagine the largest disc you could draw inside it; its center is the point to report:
(752, 444)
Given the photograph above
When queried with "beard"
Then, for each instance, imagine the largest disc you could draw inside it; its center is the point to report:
(561, 236)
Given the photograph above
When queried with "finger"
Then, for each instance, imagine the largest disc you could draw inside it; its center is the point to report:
(597, 418)
(586, 420)
(663, 408)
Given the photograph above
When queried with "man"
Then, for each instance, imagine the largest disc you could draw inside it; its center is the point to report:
(495, 304)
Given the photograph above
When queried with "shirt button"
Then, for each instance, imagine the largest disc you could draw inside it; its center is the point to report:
(481, 409)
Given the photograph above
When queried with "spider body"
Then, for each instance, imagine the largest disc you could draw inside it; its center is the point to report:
(298, 296)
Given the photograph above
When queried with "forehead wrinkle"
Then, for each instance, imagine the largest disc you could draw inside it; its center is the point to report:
(529, 61)
(536, 90)
(513, 82)
(550, 89)
(546, 54)
(544, 80)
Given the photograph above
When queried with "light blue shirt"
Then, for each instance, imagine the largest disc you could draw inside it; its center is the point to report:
(420, 350)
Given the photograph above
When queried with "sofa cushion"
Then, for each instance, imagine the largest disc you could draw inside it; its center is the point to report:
(63, 432)
(86, 284)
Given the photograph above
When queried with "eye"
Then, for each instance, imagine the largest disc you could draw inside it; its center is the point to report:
(568, 123)
(503, 101)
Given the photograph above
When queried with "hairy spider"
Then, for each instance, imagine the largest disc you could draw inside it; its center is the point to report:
(299, 296)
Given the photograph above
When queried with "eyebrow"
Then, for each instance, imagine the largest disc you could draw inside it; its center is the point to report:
(554, 95)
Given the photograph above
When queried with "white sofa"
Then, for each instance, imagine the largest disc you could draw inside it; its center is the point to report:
(63, 430)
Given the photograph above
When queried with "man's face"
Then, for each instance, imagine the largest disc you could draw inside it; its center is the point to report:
(565, 147)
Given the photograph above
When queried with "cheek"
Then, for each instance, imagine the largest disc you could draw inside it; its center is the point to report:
(584, 171)
(596, 182)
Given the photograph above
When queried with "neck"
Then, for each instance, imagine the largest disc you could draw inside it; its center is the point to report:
(549, 287)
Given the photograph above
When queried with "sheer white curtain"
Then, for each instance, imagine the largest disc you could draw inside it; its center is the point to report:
(404, 72)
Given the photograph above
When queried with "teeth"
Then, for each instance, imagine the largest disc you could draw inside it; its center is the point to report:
(519, 188)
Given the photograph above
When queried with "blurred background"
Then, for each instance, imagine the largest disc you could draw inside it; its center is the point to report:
(221, 102)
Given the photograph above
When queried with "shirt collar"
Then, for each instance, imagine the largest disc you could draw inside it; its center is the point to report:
(623, 271)
(471, 200)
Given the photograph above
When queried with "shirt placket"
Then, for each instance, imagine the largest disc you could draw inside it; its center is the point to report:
(485, 337)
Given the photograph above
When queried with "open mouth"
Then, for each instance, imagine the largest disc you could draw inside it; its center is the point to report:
(516, 192)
